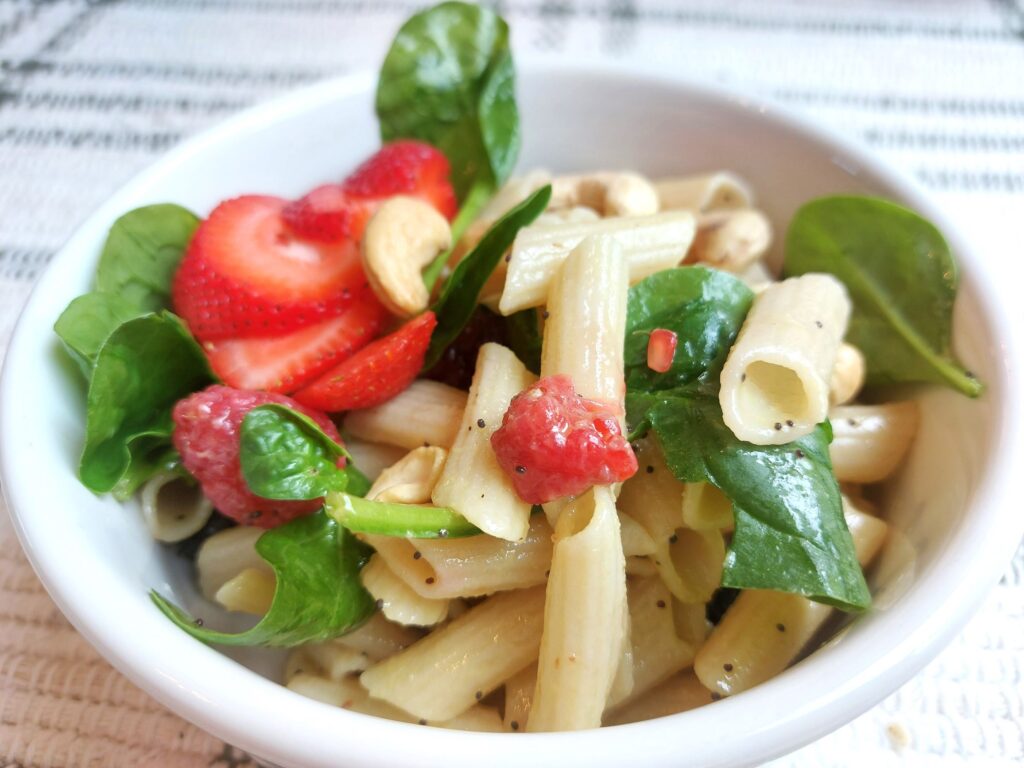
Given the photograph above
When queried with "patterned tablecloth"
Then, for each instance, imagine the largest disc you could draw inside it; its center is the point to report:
(92, 91)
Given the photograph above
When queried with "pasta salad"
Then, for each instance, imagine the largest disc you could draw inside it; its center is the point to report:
(536, 453)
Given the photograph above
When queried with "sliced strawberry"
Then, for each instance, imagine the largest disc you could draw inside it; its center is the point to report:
(284, 363)
(375, 373)
(402, 168)
(246, 274)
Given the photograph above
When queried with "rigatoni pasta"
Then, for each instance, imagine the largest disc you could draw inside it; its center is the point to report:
(870, 441)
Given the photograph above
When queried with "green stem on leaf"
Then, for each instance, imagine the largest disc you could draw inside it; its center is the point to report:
(410, 521)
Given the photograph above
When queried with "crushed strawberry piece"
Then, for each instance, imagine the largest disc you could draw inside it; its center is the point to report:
(661, 349)
(207, 433)
(552, 443)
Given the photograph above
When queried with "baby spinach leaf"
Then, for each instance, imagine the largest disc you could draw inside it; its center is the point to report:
(150, 455)
(522, 329)
(285, 455)
(459, 297)
(144, 367)
(448, 80)
(87, 322)
(902, 280)
(318, 594)
(411, 521)
(790, 532)
(142, 251)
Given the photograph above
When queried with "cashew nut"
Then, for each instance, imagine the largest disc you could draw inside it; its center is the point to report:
(609, 193)
(403, 237)
(412, 478)
(731, 240)
(575, 214)
(710, 192)
(847, 374)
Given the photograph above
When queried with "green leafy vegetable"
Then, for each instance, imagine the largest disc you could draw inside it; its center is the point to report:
(285, 455)
(88, 321)
(147, 461)
(318, 594)
(144, 367)
(448, 80)
(459, 297)
(790, 532)
(902, 280)
(524, 337)
(142, 251)
(411, 521)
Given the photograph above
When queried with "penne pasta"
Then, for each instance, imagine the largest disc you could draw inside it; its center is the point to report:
(680, 693)
(397, 600)
(452, 668)
(470, 566)
(694, 568)
(649, 243)
(658, 652)
(329, 659)
(706, 508)
(411, 479)
(426, 413)
(870, 441)
(584, 617)
(704, 192)
(764, 631)
(519, 698)
(636, 541)
(847, 375)
(251, 591)
(173, 508)
(757, 277)
(379, 638)
(641, 567)
(775, 382)
(225, 555)
(472, 483)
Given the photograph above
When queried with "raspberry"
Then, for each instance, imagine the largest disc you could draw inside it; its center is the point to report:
(553, 443)
(207, 427)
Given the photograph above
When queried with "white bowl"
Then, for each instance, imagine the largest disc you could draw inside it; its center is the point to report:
(955, 500)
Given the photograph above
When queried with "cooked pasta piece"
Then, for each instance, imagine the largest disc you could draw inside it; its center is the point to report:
(653, 497)
(704, 192)
(372, 458)
(757, 277)
(397, 600)
(641, 567)
(775, 382)
(623, 680)
(706, 508)
(695, 560)
(342, 693)
(329, 659)
(379, 638)
(519, 698)
(251, 591)
(173, 508)
(847, 375)
(452, 668)
(680, 693)
(764, 631)
(870, 441)
(636, 541)
(225, 555)
(426, 413)
(691, 620)
(658, 652)
(412, 478)
(470, 566)
(472, 483)
(731, 240)
(650, 244)
(584, 617)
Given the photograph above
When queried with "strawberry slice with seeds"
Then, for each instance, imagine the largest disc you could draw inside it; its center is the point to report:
(552, 443)
(376, 373)
(246, 274)
(341, 210)
(284, 363)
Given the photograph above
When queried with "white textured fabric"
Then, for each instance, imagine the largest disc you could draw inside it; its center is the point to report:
(91, 92)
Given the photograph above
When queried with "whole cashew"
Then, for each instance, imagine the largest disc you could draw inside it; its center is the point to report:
(608, 193)
(403, 237)
(731, 240)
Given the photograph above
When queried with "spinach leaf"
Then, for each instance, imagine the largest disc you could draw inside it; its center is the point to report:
(459, 297)
(522, 329)
(448, 79)
(144, 367)
(87, 322)
(285, 455)
(141, 253)
(790, 532)
(150, 455)
(318, 594)
(412, 521)
(902, 280)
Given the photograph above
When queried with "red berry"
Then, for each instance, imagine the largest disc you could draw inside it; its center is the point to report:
(661, 349)
(376, 373)
(207, 427)
(335, 211)
(285, 363)
(553, 443)
(245, 274)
